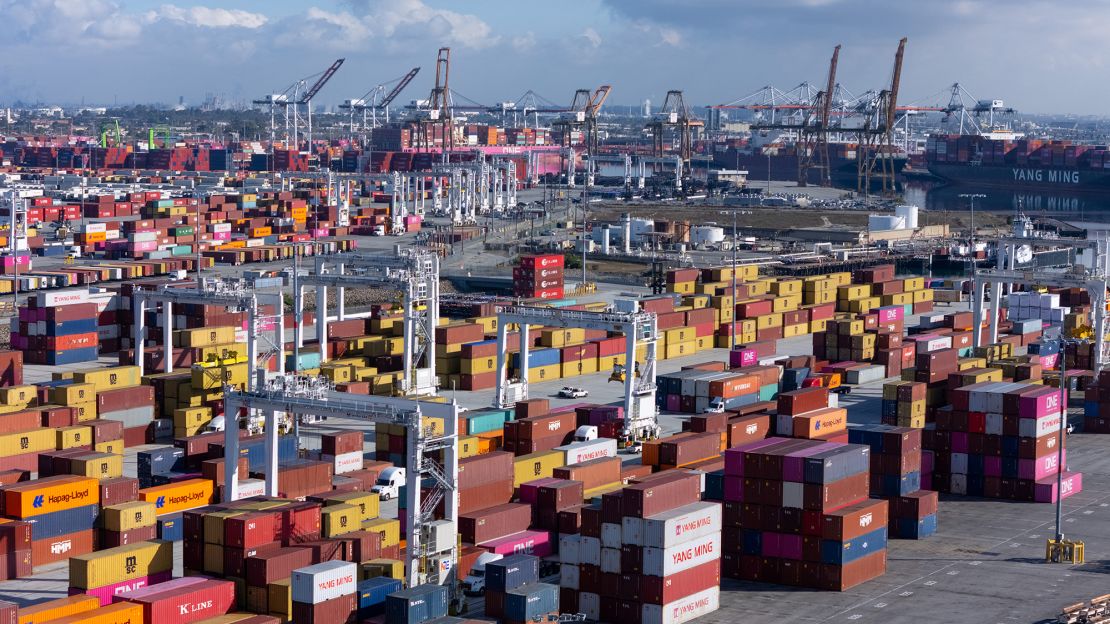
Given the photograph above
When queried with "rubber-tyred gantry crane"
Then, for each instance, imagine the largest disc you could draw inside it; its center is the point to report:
(875, 156)
(813, 140)
(439, 111)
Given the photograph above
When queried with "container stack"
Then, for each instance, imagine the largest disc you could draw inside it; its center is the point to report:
(416, 604)
(539, 277)
(128, 523)
(1096, 405)
(1000, 440)
(61, 512)
(805, 413)
(57, 328)
(800, 514)
(186, 599)
(325, 593)
(647, 552)
(514, 593)
(691, 391)
(109, 572)
(896, 476)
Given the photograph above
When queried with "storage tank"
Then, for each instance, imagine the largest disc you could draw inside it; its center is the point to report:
(885, 222)
(909, 213)
(605, 240)
(640, 227)
(706, 235)
(626, 237)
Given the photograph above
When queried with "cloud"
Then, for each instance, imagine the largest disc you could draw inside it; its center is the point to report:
(210, 18)
(592, 37)
(525, 42)
(393, 23)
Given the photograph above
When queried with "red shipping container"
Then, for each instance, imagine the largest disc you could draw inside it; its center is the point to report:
(665, 589)
(191, 603)
(124, 398)
(62, 547)
(854, 520)
(803, 400)
(660, 494)
(335, 611)
(267, 567)
(251, 530)
(489, 524)
(341, 442)
(111, 539)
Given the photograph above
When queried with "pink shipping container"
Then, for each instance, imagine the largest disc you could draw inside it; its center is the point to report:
(535, 543)
(108, 592)
(1037, 469)
(1044, 490)
(742, 357)
(1040, 403)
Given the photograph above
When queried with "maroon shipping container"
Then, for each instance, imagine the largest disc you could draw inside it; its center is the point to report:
(854, 520)
(804, 400)
(661, 494)
(335, 611)
(14, 565)
(748, 428)
(591, 521)
(702, 423)
(916, 505)
(234, 558)
(106, 430)
(20, 421)
(118, 490)
(690, 449)
(11, 369)
(489, 524)
(111, 539)
(15, 536)
(326, 550)
(270, 566)
(485, 495)
(829, 497)
(251, 530)
(842, 577)
(54, 549)
(58, 417)
(363, 545)
(341, 442)
(213, 469)
(559, 496)
(593, 473)
(487, 468)
(665, 589)
(547, 426)
(124, 399)
(532, 408)
(191, 603)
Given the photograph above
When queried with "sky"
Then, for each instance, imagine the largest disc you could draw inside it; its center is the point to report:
(1041, 56)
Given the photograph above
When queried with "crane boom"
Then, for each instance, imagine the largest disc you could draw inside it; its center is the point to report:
(321, 81)
(895, 80)
(826, 105)
(598, 98)
(399, 87)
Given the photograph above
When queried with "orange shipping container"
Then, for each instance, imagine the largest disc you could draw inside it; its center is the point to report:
(820, 422)
(53, 609)
(734, 387)
(118, 613)
(50, 494)
(181, 496)
(259, 232)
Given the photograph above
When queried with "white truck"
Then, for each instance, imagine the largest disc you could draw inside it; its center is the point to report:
(585, 433)
(475, 582)
(389, 483)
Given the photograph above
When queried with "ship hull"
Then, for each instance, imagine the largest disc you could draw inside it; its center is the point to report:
(843, 172)
(1055, 179)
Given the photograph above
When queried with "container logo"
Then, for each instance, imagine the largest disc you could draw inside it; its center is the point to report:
(160, 503)
(63, 546)
(38, 501)
(751, 429)
(187, 609)
(865, 520)
(131, 564)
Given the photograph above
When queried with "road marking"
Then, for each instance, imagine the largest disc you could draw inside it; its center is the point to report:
(930, 583)
(855, 616)
(1069, 519)
(880, 605)
(906, 593)
(953, 573)
(1014, 545)
(1088, 512)
(972, 563)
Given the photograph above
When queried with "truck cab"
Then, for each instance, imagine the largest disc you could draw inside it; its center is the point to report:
(389, 483)
(716, 406)
(585, 433)
(475, 582)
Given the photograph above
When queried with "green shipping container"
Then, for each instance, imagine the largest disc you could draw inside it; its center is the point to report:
(482, 422)
(768, 392)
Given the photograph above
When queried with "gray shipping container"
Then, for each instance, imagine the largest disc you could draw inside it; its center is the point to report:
(530, 601)
(839, 463)
(416, 604)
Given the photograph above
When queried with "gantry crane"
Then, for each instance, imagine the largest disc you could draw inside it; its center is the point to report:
(875, 156)
(291, 100)
(813, 139)
(306, 99)
(673, 113)
(439, 111)
(376, 100)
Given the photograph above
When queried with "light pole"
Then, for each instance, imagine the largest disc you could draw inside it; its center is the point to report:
(735, 239)
(971, 197)
(1057, 552)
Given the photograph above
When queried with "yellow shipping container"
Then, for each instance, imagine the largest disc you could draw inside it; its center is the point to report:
(790, 331)
(921, 296)
(114, 447)
(85, 411)
(191, 416)
(214, 525)
(897, 299)
(680, 349)
(681, 334)
(911, 284)
(97, 465)
(338, 519)
(368, 503)
(536, 466)
(73, 393)
(786, 303)
(864, 305)
(468, 446)
(127, 516)
(768, 320)
(818, 297)
(279, 598)
(786, 287)
(684, 288)
(214, 378)
(477, 366)
(585, 366)
(390, 530)
(34, 441)
(179, 496)
(118, 613)
(389, 568)
(70, 437)
(204, 336)
(110, 378)
(818, 326)
(606, 363)
(123, 563)
(18, 395)
(536, 374)
(562, 337)
(852, 292)
(58, 608)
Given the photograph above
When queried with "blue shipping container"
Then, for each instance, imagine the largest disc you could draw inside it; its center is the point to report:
(63, 522)
(372, 594)
(895, 485)
(512, 572)
(171, 528)
(839, 553)
(538, 357)
(72, 356)
(715, 485)
(908, 528)
(71, 328)
(160, 460)
(531, 601)
(416, 604)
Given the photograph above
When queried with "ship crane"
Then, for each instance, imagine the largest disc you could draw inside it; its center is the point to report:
(439, 111)
(376, 100)
(297, 95)
(674, 113)
(970, 118)
(875, 157)
(813, 139)
(582, 115)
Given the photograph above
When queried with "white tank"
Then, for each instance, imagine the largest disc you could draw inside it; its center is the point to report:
(706, 235)
(626, 236)
(880, 223)
(605, 240)
(909, 214)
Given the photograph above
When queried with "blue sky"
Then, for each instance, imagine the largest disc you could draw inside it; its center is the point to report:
(1030, 53)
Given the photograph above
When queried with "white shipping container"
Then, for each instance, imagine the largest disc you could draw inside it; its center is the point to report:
(934, 344)
(667, 561)
(792, 494)
(611, 560)
(95, 227)
(589, 551)
(324, 581)
(589, 604)
(611, 535)
(681, 525)
(579, 452)
(682, 610)
(632, 531)
(568, 548)
(1037, 427)
(959, 484)
(994, 424)
(65, 297)
(251, 487)
(345, 462)
(959, 463)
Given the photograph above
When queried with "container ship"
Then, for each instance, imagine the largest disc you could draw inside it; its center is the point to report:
(1010, 161)
(780, 162)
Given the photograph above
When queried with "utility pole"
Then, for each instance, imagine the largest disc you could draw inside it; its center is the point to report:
(971, 238)
(732, 331)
